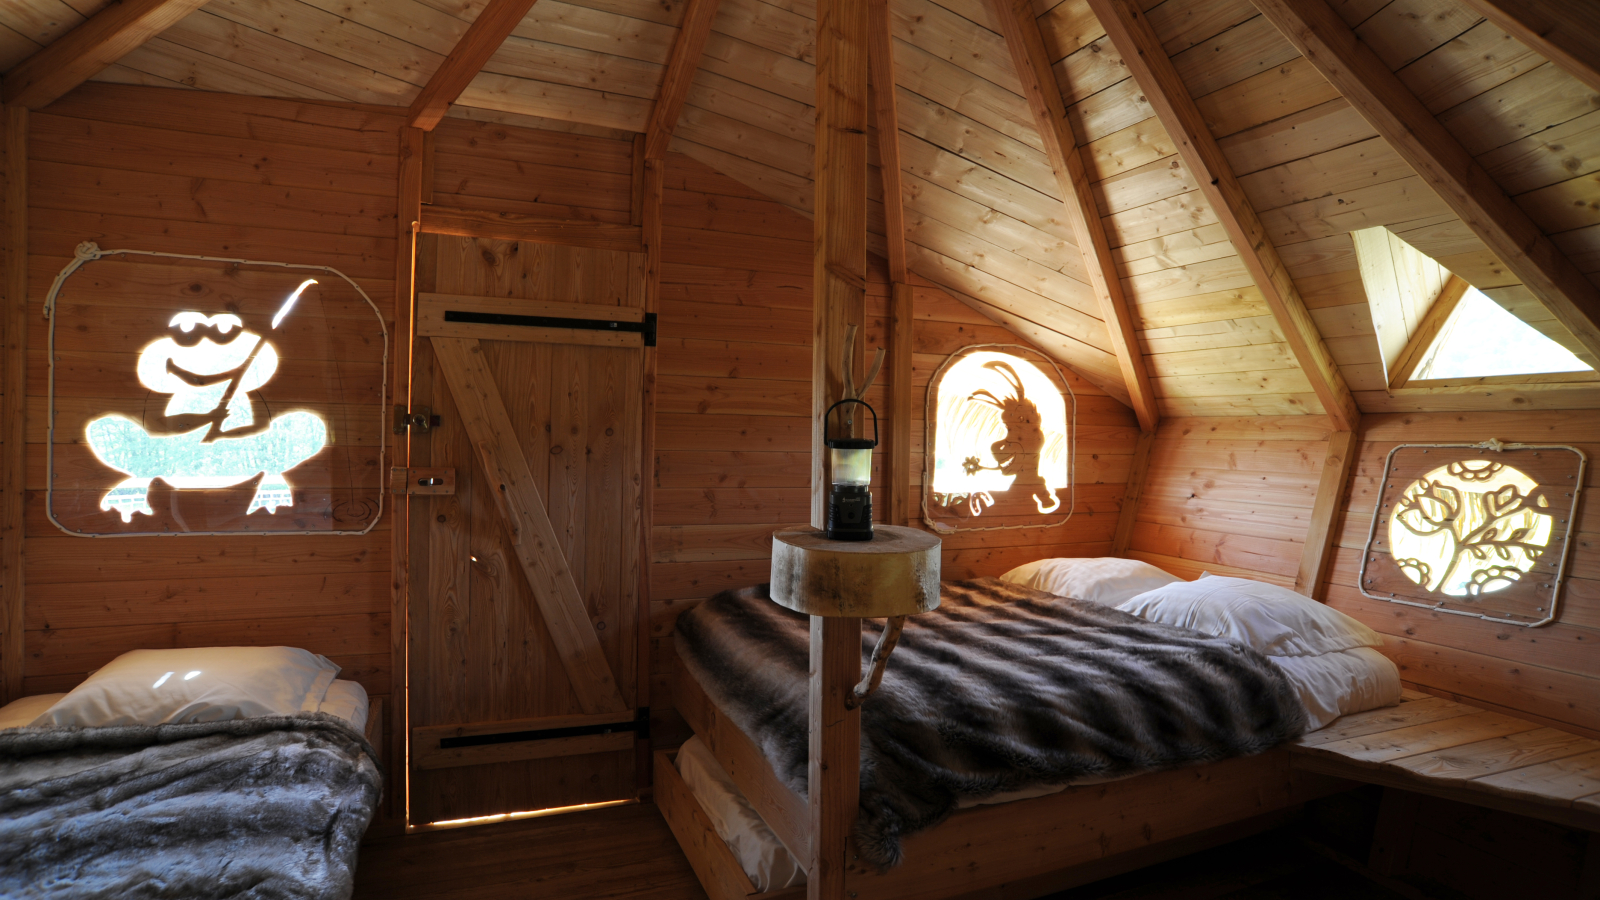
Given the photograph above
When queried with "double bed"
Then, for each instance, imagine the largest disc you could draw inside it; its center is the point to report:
(1140, 717)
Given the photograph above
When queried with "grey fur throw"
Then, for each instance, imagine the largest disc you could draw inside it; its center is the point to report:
(270, 807)
(999, 689)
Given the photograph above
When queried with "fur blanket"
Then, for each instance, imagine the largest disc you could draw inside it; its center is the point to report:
(1001, 688)
(261, 808)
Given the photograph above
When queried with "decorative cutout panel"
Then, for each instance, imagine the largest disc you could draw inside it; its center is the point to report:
(205, 396)
(1000, 436)
(1474, 529)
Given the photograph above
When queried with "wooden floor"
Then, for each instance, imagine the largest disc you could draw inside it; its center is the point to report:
(628, 852)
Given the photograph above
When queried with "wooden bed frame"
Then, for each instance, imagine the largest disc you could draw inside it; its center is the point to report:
(1020, 849)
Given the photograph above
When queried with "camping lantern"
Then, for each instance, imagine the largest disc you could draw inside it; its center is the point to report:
(850, 501)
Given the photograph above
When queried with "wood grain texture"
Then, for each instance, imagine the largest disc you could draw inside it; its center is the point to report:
(1031, 59)
(1567, 34)
(13, 393)
(679, 76)
(517, 495)
(1321, 533)
(901, 405)
(835, 753)
(1169, 96)
(89, 48)
(1417, 347)
(511, 226)
(410, 182)
(886, 120)
(1424, 142)
(1128, 515)
(488, 31)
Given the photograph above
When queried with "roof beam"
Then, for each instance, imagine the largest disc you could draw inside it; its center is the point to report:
(685, 61)
(1566, 32)
(83, 52)
(1433, 322)
(484, 36)
(886, 116)
(1032, 62)
(1167, 94)
(1424, 142)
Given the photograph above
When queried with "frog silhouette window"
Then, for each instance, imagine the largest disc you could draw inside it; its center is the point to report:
(213, 396)
(1478, 530)
(999, 421)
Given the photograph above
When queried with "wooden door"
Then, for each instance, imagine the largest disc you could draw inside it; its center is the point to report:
(524, 584)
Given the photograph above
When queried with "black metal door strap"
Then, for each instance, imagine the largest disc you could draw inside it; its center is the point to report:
(640, 725)
(646, 328)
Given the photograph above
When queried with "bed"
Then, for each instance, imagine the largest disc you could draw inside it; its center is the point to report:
(735, 798)
(200, 773)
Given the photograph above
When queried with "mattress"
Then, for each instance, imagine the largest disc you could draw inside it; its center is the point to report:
(345, 699)
(1330, 685)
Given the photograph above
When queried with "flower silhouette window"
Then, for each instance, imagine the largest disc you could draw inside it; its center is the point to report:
(194, 395)
(1479, 530)
(1000, 441)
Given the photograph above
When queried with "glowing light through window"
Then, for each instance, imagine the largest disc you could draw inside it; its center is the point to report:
(1469, 528)
(1001, 427)
(1481, 339)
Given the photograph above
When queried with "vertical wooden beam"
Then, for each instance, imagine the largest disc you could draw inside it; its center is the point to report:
(1317, 554)
(679, 76)
(484, 36)
(886, 118)
(901, 346)
(1128, 515)
(840, 274)
(1032, 62)
(1141, 50)
(1439, 157)
(13, 400)
(1566, 32)
(653, 182)
(408, 196)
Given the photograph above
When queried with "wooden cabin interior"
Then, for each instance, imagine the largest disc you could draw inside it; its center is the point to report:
(559, 293)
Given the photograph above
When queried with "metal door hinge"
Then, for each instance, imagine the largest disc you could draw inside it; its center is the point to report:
(421, 420)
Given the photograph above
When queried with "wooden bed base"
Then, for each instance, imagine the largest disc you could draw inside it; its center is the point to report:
(1020, 849)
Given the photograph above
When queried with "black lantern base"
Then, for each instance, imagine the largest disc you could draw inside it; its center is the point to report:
(850, 513)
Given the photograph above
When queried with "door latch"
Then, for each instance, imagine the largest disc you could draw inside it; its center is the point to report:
(420, 420)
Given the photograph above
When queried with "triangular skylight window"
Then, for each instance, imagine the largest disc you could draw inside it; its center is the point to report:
(1482, 340)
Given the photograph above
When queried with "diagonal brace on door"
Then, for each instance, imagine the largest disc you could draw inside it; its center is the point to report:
(488, 426)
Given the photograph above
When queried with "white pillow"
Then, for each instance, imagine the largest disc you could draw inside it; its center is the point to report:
(201, 684)
(1272, 620)
(1107, 580)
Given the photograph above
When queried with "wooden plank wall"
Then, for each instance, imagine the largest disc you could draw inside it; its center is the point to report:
(1550, 674)
(734, 390)
(203, 174)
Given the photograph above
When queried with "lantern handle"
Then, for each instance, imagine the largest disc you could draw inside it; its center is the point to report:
(850, 390)
(829, 414)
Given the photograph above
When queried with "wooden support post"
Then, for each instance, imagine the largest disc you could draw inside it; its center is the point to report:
(835, 752)
(1391, 838)
(1317, 553)
(13, 399)
(409, 192)
(1128, 515)
(901, 346)
(654, 178)
(886, 118)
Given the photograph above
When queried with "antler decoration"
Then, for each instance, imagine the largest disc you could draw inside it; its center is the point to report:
(891, 628)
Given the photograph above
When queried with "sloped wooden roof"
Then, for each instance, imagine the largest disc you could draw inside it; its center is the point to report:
(984, 215)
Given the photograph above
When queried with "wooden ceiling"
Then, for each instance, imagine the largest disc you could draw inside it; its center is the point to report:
(1288, 166)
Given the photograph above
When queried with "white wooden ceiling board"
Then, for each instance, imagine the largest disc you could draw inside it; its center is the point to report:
(776, 150)
(791, 190)
(1249, 48)
(1181, 24)
(315, 29)
(1111, 110)
(411, 21)
(1088, 71)
(975, 142)
(1173, 215)
(556, 101)
(1050, 247)
(1454, 72)
(1406, 30)
(169, 61)
(762, 68)
(746, 103)
(1224, 273)
(932, 163)
(555, 22)
(1152, 182)
(955, 39)
(1565, 150)
(1528, 104)
(1186, 248)
(769, 27)
(575, 67)
(950, 86)
(39, 21)
(1025, 274)
(1211, 335)
(1067, 27)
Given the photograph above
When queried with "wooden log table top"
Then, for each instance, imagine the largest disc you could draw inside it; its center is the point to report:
(1458, 752)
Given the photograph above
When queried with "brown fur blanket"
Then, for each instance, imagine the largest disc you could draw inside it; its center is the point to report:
(1001, 688)
(251, 808)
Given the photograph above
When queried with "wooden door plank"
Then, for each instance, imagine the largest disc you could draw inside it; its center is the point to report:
(679, 76)
(86, 50)
(1566, 32)
(1026, 42)
(484, 36)
(1439, 157)
(424, 756)
(1167, 93)
(511, 483)
(1317, 554)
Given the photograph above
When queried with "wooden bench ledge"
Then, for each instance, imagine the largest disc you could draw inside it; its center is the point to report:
(1446, 749)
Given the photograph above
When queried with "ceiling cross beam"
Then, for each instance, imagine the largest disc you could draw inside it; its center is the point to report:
(675, 83)
(1566, 32)
(886, 118)
(83, 52)
(1141, 50)
(1428, 146)
(484, 36)
(1032, 62)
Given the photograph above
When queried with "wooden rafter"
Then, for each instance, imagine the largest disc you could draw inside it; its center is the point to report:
(1316, 554)
(1566, 32)
(1141, 50)
(1032, 62)
(1433, 322)
(488, 425)
(81, 53)
(886, 118)
(484, 36)
(1439, 157)
(675, 83)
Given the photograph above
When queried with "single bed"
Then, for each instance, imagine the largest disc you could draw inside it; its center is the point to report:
(738, 818)
(207, 772)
